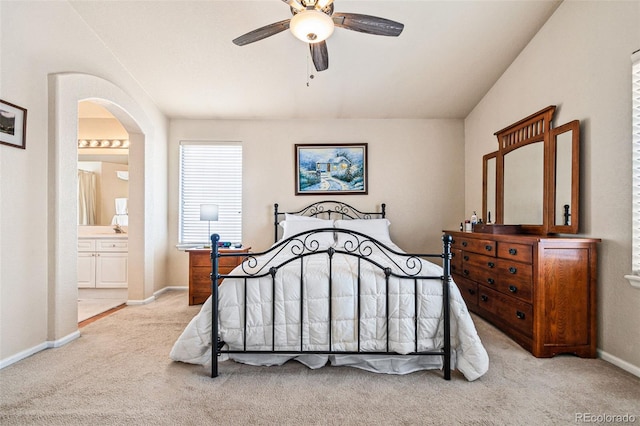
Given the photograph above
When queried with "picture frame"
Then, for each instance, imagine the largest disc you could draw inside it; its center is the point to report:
(336, 169)
(13, 125)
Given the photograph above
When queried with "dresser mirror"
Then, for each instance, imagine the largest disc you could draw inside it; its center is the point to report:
(523, 188)
(532, 181)
(489, 187)
(565, 178)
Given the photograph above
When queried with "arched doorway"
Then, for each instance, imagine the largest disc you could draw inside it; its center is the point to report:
(66, 91)
(103, 195)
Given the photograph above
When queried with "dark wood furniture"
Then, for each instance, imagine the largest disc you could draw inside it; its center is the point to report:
(540, 291)
(533, 180)
(200, 271)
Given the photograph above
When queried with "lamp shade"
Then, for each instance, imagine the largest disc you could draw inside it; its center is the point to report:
(208, 212)
(311, 26)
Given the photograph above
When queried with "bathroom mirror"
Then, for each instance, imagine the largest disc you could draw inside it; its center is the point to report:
(535, 186)
(103, 166)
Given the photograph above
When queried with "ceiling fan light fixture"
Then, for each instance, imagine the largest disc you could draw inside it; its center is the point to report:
(311, 26)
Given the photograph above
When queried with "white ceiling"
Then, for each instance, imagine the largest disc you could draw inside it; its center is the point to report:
(448, 56)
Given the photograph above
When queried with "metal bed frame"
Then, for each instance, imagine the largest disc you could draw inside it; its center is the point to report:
(306, 244)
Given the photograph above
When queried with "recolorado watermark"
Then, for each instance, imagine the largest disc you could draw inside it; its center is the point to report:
(605, 418)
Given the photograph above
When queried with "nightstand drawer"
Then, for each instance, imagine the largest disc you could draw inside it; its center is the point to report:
(200, 270)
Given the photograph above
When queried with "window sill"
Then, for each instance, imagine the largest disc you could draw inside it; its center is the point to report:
(634, 280)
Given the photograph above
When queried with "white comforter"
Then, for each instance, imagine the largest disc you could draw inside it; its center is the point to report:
(468, 354)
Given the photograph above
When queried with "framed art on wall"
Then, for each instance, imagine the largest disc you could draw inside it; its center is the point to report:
(13, 125)
(331, 168)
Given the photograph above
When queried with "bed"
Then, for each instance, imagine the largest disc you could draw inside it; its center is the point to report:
(335, 289)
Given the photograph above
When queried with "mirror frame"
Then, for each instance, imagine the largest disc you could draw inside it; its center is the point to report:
(485, 187)
(536, 128)
(572, 228)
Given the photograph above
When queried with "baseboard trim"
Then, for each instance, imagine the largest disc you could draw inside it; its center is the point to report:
(141, 302)
(626, 366)
(155, 295)
(42, 346)
(169, 288)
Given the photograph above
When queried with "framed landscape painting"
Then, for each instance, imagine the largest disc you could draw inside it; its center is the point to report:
(331, 169)
(13, 125)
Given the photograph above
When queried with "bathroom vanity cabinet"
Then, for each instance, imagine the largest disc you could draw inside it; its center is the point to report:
(102, 262)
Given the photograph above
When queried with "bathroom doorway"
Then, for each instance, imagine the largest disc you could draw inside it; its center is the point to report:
(103, 193)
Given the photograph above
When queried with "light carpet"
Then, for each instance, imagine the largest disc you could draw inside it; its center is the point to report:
(119, 373)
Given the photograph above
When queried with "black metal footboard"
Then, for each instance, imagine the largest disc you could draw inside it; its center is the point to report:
(361, 247)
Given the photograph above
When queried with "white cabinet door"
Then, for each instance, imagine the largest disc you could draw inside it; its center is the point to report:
(86, 270)
(111, 270)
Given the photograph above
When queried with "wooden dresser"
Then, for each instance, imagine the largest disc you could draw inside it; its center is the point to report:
(539, 290)
(200, 271)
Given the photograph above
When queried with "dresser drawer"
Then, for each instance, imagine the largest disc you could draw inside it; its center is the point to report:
(510, 311)
(517, 252)
(456, 261)
(486, 247)
(469, 291)
(483, 269)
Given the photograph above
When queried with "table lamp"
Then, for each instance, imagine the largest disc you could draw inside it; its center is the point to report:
(209, 212)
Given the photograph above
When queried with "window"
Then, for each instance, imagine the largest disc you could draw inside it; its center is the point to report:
(210, 173)
(635, 118)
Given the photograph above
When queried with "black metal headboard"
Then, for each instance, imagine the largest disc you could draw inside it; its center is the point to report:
(325, 210)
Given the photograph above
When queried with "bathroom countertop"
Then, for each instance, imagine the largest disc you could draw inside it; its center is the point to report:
(94, 232)
(102, 235)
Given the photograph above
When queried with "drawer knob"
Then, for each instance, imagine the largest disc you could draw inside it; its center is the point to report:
(520, 315)
(491, 265)
(484, 297)
(513, 289)
(466, 272)
(491, 281)
(464, 244)
(513, 251)
(471, 291)
(466, 258)
(513, 270)
(488, 247)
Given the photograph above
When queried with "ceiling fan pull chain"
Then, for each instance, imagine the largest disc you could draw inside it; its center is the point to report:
(309, 75)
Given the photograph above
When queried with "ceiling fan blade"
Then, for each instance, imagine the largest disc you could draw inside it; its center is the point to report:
(368, 24)
(294, 4)
(320, 55)
(262, 32)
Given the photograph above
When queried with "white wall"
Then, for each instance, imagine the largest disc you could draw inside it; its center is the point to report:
(580, 61)
(415, 167)
(39, 39)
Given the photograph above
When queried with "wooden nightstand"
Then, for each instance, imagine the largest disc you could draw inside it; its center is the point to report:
(200, 271)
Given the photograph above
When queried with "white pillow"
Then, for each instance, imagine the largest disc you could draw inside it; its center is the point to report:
(293, 227)
(374, 228)
(295, 217)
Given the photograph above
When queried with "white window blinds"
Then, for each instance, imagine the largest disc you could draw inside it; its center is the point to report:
(210, 173)
(635, 94)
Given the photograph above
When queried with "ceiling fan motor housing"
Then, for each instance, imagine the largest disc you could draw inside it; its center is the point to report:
(311, 26)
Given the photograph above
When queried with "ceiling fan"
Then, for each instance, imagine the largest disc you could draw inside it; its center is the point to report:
(313, 22)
